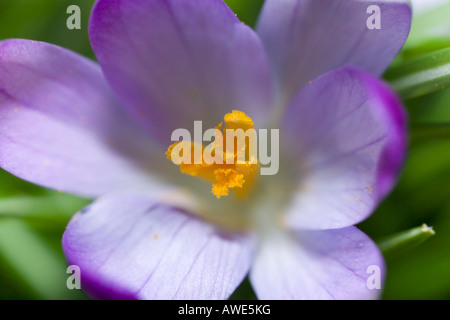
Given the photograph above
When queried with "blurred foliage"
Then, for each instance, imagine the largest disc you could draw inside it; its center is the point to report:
(430, 32)
(247, 11)
(45, 20)
(32, 219)
(422, 75)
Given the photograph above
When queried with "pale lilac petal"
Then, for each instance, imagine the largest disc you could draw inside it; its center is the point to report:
(175, 61)
(130, 247)
(334, 264)
(61, 128)
(347, 131)
(305, 38)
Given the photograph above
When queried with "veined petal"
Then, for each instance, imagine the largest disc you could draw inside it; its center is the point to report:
(347, 131)
(318, 265)
(132, 247)
(60, 126)
(175, 61)
(305, 38)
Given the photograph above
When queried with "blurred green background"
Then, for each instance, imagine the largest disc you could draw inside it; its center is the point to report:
(32, 219)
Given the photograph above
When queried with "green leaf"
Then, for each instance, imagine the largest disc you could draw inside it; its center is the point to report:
(247, 11)
(29, 262)
(421, 76)
(52, 206)
(404, 241)
(424, 273)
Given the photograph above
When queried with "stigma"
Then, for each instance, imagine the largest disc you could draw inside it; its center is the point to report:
(228, 162)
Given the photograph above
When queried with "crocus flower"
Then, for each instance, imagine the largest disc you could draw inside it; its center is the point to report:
(310, 69)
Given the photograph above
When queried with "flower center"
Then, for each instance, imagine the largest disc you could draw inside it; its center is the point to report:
(227, 162)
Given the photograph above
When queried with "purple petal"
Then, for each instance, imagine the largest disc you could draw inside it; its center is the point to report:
(128, 246)
(305, 38)
(347, 131)
(175, 61)
(60, 127)
(332, 264)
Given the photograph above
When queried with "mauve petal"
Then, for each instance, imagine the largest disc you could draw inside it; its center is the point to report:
(305, 38)
(175, 61)
(60, 127)
(347, 131)
(316, 265)
(129, 246)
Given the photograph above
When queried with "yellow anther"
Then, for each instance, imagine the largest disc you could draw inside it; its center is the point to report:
(225, 175)
(238, 120)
